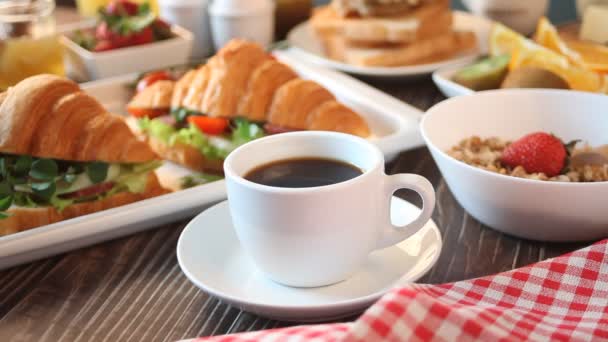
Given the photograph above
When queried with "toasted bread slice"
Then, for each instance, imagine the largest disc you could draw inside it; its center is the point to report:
(424, 22)
(157, 96)
(262, 85)
(425, 51)
(22, 219)
(334, 116)
(294, 101)
(376, 7)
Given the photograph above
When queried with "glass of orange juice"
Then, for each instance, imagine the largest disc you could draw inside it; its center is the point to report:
(89, 8)
(29, 44)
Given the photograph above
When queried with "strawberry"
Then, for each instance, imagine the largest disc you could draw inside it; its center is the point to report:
(537, 153)
(103, 31)
(144, 36)
(104, 45)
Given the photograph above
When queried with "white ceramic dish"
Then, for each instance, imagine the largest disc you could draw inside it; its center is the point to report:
(84, 65)
(210, 255)
(304, 45)
(449, 88)
(393, 122)
(539, 210)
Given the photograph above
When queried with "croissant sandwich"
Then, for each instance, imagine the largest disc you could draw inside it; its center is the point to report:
(240, 94)
(62, 155)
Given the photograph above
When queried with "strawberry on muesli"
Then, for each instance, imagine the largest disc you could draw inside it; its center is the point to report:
(538, 155)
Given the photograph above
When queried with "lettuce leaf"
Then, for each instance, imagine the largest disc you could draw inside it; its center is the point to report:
(216, 147)
(245, 131)
(134, 177)
(157, 128)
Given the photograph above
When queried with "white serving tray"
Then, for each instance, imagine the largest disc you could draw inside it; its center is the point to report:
(449, 88)
(394, 126)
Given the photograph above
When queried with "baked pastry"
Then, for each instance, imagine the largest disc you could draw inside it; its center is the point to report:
(263, 83)
(158, 96)
(64, 156)
(295, 101)
(229, 77)
(334, 116)
(241, 94)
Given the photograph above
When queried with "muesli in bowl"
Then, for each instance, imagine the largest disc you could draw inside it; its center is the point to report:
(539, 156)
(570, 208)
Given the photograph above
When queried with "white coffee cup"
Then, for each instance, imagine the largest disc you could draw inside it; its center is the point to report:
(317, 236)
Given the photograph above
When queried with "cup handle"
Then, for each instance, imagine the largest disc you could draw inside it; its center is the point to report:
(392, 234)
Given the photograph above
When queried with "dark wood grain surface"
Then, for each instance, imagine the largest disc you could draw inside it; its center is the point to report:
(132, 289)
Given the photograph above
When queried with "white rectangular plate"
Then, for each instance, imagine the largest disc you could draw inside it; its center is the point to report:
(394, 126)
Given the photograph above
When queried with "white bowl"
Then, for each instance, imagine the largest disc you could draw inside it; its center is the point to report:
(85, 65)
(539, 210)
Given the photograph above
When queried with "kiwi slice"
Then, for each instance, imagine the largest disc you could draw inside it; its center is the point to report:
(530, 77)
(485, 74)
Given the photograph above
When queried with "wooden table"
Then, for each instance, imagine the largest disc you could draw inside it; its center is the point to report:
(132, 289)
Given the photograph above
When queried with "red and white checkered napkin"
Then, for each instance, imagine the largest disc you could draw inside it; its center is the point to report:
(564, 298)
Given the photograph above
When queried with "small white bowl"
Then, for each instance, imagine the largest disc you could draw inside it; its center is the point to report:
(85, 65)
(539, 210)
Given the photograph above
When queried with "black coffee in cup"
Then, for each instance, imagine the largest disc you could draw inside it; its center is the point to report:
(303, 173)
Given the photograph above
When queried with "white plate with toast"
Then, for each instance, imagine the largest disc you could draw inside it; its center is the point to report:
(394, 126)
(305, 45)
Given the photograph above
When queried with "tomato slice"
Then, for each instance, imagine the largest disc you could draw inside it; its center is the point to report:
(151, 78)
(147, 112)
(209, 125)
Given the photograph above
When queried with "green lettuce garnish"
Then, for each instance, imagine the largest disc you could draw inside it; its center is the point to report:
(133, 178)
(156, 128)
(198, 179)
(243, 131)
(32, 182)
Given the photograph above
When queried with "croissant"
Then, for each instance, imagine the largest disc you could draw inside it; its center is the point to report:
(229, 77)
(23, 218)
(181, 88)
(264, 82)
(242, 80)
(334, 116)
(48, 116)
(294, 101)
(193, 98)
(158, 95)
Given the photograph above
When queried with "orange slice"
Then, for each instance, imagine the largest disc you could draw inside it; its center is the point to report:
(579, 78)
(594, 56)
(547, 36)
(503, 40)
(527, 53)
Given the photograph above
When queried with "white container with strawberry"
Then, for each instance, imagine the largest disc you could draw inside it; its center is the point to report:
(128, 37)
(503, 157)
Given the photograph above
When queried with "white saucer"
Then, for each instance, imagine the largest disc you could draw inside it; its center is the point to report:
(210, 255)
(305, 45)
